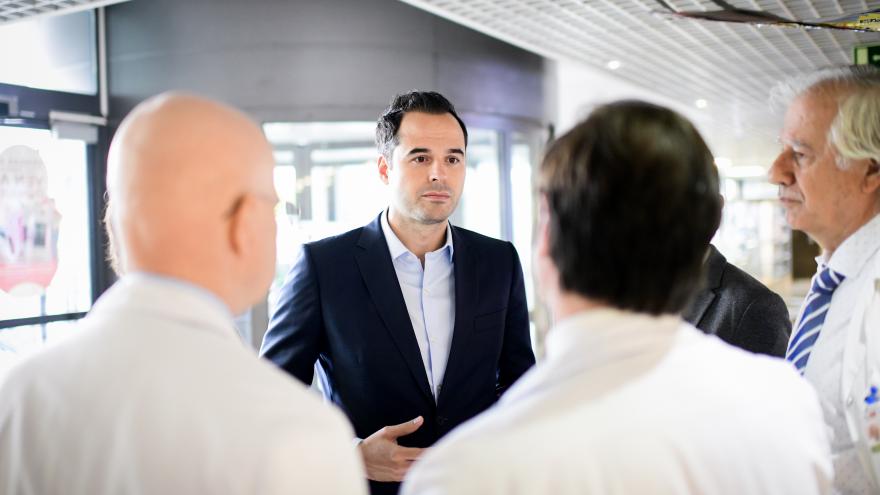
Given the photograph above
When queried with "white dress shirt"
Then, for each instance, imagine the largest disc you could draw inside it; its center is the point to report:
(825, 366)
(429, 294)
(156, 394)
(626, 404)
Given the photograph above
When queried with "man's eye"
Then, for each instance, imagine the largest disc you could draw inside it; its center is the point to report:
(420, 159)
(454, 160)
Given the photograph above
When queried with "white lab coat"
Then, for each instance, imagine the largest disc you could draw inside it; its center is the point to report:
(861, 370)
(632, 404)
(155, 393)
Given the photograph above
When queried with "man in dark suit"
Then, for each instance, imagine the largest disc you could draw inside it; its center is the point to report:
(739, 309)
(407, 317)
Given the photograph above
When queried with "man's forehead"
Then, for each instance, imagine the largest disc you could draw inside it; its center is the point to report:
(809, 114)
(418, 126)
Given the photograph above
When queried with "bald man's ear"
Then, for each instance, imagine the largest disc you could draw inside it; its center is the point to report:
(242, 225)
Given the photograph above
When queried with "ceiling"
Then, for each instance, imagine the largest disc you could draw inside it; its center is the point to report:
(15, 10)
(731, 66)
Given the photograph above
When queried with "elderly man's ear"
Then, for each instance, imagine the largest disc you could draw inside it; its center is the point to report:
(872, 176)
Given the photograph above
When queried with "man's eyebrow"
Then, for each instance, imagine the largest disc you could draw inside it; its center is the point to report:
(415, 151)
(794, 143)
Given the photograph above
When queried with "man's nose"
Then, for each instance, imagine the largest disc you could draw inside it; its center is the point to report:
(780, 172)
(437, 171)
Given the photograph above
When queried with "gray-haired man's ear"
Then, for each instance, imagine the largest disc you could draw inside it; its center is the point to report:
(872, 176)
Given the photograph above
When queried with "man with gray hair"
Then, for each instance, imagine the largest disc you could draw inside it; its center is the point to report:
(829, 183)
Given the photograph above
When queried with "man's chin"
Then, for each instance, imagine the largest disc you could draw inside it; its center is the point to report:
(433, 218)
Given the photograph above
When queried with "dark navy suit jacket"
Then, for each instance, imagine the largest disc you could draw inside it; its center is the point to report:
(342, 306)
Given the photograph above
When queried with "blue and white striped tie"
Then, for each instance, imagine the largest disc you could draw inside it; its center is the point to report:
(816, 307)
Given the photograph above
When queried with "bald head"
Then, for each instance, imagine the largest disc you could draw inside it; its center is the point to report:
(190, 184)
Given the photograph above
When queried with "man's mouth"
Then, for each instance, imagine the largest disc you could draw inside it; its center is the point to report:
(436, 196)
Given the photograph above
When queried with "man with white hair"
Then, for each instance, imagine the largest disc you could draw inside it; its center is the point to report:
(829, 183)
(155, 392)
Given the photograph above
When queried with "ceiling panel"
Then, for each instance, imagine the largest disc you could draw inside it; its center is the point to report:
(732, 66)
(16, 10)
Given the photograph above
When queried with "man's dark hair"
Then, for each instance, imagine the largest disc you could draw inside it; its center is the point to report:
(414, 101)
(633, 201)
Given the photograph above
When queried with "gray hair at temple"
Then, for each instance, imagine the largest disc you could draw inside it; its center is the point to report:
(112, 252)
(855, 131)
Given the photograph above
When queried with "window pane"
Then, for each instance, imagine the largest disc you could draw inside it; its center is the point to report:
(522, 156)
(56, 53)
(44, 225)
(480, 206)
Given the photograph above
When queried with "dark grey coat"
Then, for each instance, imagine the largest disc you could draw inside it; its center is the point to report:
(739, 309)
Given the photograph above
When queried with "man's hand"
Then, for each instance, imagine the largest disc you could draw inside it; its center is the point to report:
(383, 458)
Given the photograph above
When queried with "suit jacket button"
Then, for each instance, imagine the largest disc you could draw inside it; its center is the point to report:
(441, 420)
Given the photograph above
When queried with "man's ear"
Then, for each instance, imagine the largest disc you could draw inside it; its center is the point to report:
(872, 176)
(241, 224)
(384, 166)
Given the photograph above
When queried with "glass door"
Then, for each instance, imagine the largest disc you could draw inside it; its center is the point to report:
(45, 242)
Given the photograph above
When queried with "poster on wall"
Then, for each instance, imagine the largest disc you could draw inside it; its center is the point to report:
(29, 223)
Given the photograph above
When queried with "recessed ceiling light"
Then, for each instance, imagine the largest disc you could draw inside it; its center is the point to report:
(614, 64)
(701, 103)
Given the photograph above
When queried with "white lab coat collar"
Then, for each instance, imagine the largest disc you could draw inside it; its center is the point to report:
(172, 298)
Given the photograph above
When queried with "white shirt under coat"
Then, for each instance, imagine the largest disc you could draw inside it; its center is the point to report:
(627, 403)
(429, 295)
(155, 393)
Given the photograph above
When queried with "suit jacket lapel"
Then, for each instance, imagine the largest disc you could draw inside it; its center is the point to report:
(467, 289)
(714, 270)
(378, 273)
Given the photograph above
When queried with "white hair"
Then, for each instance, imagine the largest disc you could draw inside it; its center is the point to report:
(855, 131)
